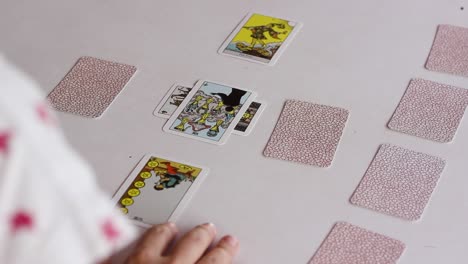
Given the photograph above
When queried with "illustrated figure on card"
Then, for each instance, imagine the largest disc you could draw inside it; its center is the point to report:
(172, 176)
(261, 36)
(210, 111)
(172, 100)
(158, 189)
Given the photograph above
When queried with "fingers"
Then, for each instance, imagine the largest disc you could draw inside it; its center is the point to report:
(193, 244)
(190, 248)
(159, 237)
(153, 244)
(223, 252)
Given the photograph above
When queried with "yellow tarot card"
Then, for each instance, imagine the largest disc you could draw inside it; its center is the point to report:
(158, 189)
(260, 38)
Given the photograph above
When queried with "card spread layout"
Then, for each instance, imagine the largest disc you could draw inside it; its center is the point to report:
(350, 244)
(90, 87)
(430, 110)
(399, 182)
(307, 133)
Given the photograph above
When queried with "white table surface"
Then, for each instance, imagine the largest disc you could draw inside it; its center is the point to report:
(359, 55)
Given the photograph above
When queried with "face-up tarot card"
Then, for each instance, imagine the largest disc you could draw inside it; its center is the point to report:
(249, 118)
(177, 94)
(158, 189)
(172, 100)
(260, 38)
(210, 112)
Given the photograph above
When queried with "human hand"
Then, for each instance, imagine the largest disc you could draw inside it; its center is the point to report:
(191, 248)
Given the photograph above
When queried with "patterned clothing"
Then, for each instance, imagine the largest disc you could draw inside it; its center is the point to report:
(52, 210)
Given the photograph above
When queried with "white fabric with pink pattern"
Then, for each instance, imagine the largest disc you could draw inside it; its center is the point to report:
(51, 208)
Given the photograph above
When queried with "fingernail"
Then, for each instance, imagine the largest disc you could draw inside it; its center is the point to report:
(232, 241)
(210, 226)
(172, 225)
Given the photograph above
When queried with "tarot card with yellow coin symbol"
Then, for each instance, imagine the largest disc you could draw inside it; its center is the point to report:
(158, 189)
(260, 38)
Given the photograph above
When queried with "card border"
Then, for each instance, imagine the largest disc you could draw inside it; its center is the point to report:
(278, 53)
(166, 96)
(227, 132)
(254, 120)
(175, 214)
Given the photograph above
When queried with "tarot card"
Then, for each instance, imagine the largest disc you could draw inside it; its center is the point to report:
(90, 87)
(210, 112)
(307, 133)
(176, 95)
(171, 101)
(399, 182)
(347, 243)
(158, 189)
(449, 52)
(430, 110)
(249, 118)
(260, 38)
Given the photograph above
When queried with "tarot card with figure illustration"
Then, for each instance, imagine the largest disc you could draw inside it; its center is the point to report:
(158, 189)
(260, 38)
(171, 101)
(210, 112)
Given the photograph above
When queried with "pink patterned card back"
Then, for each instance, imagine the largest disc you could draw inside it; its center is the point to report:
(307, 133)
(349, 244)
(90, 87)
(449, 52)
(430, 110)
(399, 182)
